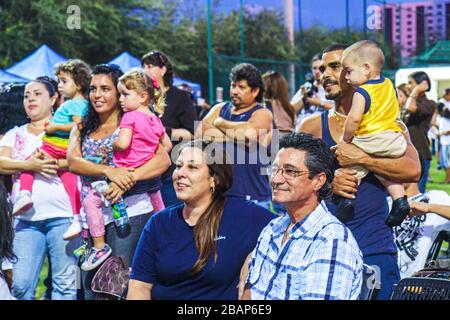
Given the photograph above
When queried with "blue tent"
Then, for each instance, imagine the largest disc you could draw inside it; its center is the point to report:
(40, 63)
(195, 86)
(6, 77)
(126, 62)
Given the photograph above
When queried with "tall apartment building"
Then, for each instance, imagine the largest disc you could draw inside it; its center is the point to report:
(412, 24)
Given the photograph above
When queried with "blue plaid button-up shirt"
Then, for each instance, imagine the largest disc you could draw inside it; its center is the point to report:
(319, 260)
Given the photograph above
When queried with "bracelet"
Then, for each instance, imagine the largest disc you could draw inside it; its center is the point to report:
(413, 96)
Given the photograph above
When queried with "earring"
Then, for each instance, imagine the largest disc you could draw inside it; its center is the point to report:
(212, 189)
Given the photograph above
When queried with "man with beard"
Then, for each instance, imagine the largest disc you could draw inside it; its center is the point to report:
(245, 127)
(373, 236)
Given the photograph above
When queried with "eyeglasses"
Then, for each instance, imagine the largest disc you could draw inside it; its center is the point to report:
(287, 173)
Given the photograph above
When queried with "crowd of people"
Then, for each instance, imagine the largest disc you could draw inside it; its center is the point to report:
(259, 197)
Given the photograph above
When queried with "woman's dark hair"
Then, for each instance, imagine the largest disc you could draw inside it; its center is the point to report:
(159, 59)
(247, 71)
(276, 88)
(207, 227)
(318, 158)
(50, 84)
(52, 87)
(420, 76)
(12, 112)
(92, 120)
(6, 229)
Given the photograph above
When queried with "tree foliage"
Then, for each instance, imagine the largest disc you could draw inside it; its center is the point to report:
(176, 27)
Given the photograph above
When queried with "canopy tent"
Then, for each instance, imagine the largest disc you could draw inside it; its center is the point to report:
(126, 62)
(197, 89)
(40, 63)
(6, 77)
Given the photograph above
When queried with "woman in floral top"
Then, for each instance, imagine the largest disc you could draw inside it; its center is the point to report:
(90, 155)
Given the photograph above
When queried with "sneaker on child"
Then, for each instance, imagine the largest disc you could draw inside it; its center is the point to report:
(23, 203)
(74, 229)
(96, 257)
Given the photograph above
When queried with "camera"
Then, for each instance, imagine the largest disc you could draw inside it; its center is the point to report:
(310, 89)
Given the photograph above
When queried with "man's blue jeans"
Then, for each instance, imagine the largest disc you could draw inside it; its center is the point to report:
(390, 275)
(32, 241)
(423, 181)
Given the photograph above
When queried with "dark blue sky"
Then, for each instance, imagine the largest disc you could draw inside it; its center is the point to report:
(323, 12)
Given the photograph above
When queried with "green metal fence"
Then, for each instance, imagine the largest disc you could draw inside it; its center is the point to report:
(222, 65)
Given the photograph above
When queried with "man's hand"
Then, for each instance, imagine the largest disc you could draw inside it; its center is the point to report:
(345, 183)
(348, 154)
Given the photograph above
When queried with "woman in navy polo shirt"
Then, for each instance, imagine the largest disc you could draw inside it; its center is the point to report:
(196, 249)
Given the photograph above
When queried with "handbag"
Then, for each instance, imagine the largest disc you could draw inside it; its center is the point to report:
(111, 280)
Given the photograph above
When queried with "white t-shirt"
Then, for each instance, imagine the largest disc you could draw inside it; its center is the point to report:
(415, 236)
(50, 199)
(5, 294)
(444, 125)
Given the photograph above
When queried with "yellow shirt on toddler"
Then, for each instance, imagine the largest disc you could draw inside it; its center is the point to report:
(381, 110)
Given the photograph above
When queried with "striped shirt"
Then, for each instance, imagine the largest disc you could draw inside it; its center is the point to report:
(319, 260)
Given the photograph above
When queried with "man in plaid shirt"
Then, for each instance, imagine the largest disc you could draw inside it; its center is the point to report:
(308, 253)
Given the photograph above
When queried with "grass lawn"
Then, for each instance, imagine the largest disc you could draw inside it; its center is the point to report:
(437, 177)
(436, 183)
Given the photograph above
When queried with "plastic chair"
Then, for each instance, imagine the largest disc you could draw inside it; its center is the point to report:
(370, 283)
(421, 289)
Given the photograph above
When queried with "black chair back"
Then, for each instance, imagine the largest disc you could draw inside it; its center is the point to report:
(421, 289)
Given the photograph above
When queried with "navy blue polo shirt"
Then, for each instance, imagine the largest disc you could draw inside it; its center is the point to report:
(166, 252)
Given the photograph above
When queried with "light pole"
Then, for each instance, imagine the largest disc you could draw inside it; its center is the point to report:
(399, 44)
(365, 18)
(347, 20)
(210, 60)
(241, 31)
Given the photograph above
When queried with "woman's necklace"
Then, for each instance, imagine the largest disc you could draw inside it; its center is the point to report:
(35, 129)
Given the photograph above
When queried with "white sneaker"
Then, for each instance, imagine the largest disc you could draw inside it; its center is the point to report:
(74, 229)
(23, 203)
